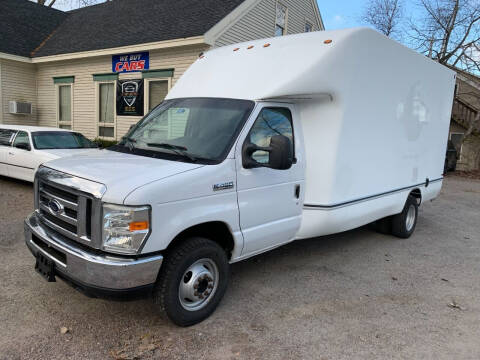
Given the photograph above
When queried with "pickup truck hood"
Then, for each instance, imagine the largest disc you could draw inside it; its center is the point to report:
(121, 173)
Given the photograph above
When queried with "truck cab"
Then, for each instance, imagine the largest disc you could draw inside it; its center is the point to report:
(229, 172)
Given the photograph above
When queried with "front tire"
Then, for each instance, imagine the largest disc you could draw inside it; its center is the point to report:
(403, 224)
(192, 281)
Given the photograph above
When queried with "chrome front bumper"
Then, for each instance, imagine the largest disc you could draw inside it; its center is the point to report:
(89, 269)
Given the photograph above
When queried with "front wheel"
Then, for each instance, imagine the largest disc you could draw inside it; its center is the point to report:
(192, 281)
(403, 224)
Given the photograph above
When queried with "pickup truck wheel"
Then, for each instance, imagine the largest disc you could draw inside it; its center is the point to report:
(192, 281)
(403, 224)
(382, 226)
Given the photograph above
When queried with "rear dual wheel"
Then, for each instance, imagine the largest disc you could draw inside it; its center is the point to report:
(401, 225)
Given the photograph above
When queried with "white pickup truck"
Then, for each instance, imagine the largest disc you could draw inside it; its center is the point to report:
(257, 145)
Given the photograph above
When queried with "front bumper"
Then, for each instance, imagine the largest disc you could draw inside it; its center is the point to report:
(90, 270)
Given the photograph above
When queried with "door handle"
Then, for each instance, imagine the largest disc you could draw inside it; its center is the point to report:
(10, 153)
(297, 191)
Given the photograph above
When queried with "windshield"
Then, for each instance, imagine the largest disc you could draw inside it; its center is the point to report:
(191, 129)
(45, 140)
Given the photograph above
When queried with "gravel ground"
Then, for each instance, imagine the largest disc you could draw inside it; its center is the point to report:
(356, 295)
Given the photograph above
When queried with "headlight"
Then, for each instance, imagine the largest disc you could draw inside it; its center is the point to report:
(125, 228)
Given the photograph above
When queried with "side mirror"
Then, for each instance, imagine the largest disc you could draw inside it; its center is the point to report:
(280, 154)
(23, 146)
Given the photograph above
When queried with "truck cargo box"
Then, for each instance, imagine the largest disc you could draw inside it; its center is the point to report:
(375, 114)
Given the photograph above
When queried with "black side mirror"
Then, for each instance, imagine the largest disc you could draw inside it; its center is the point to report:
(280, 154)
(23, 146)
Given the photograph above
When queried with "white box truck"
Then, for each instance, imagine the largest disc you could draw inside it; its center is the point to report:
(258, 144)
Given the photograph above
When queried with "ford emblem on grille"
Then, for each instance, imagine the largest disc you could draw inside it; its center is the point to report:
(55, 207)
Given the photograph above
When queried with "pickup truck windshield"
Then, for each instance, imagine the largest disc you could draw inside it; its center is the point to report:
(46, 140)
(190, 129)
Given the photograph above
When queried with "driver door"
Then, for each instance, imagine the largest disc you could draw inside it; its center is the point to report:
(21, 162)
(270, 201)
(6, 136)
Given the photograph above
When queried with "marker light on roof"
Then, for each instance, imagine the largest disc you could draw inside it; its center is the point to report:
(250, 47)
(266, 45)
(328, 41)
(236, 49)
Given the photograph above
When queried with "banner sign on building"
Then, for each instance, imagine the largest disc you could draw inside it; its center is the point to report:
(131, 62)
(130, 97)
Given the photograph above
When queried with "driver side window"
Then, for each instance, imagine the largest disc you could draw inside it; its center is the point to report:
(270, 122)
(6, 136)
(21, 138)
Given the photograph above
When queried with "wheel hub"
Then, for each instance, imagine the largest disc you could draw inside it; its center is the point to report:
(198, 285)
(410, 218)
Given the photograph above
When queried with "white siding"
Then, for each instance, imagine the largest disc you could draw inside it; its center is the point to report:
(34, 83)
(84, 102)
(259, 22)
(17, 84)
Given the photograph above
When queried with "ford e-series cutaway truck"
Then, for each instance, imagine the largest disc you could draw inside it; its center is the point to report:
(257, 145)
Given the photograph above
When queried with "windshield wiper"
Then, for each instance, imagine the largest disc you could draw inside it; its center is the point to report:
(180, 150)
(130, 143)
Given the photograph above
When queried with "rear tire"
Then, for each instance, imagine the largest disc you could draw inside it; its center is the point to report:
(403, 224)
(383, 226)
(192, 281)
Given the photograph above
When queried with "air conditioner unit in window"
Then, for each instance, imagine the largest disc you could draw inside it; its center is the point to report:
(16, 107)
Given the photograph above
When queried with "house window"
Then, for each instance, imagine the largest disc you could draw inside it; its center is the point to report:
(106, 110)
(308, 27)
(65, 106)
(157, 91)
(280, 20)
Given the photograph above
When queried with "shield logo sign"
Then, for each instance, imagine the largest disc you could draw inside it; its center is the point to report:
(130, 92)
(130, 97)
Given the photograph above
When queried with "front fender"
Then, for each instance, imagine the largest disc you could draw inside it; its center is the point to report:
(170, 219)
(188, 199)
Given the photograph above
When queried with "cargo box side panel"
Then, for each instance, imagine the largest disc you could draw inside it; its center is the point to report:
(392, 119)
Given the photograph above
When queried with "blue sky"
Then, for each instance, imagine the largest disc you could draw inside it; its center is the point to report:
(338, 14)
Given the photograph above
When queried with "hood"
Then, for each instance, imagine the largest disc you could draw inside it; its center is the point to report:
(121, 173)
(58, 153)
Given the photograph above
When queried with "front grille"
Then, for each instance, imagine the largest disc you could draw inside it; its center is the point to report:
(59, 222)
(59, 193)
(65, 211)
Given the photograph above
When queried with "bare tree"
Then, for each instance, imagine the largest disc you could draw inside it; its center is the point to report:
(70, 3)
(448, 31)
(48, 3)
(384, 15)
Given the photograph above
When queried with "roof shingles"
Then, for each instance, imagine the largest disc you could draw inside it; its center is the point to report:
(33, 30)
(128, 22)
(25, 25)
